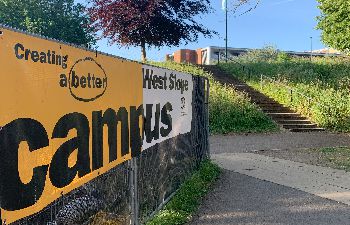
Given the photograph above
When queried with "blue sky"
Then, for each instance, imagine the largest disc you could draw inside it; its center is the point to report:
(286, 24)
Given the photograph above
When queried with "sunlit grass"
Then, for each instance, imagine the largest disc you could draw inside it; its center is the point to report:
(186, 201)
(326, 81)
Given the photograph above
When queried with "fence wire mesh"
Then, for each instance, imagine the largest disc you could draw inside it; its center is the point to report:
(106, 197)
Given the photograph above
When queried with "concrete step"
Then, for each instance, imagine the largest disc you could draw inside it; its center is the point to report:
(256, 97)
(279, 118)
(258, 94)
(286, 116)
(307, 130)
(242, 85)
(263, 99)
(297, 126)
(273, 107)
(264, 102)
(269, 103)
(289, 121)
(244, 88)
(255, 93)
(278, 110)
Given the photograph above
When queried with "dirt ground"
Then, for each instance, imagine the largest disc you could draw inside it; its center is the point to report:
(275, 141)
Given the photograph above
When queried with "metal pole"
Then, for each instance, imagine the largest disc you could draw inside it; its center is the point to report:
(226, 30)
(207, 105)
(134, 203)
(311, 49)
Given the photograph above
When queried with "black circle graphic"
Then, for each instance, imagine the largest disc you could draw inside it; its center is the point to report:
(70, 77)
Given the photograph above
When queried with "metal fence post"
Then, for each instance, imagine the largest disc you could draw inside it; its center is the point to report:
(261, 81)
(134, 201)
(291, 95)
(207, 125)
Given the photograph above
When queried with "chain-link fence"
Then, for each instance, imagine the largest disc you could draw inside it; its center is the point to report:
(133, 191)
(106, 196)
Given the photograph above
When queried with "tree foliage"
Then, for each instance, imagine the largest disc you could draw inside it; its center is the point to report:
(152, 22)
(59, 19)
(335, 23)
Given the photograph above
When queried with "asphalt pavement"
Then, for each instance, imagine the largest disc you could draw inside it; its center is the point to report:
(242, 200)
(260, 190)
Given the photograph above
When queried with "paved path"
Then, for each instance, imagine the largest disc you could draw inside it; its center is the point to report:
(321, 181)
(260, 190)
(242, 200)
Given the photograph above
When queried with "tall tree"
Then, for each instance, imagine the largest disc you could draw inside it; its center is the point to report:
(59, 19)
(149, 22)
(334, 22)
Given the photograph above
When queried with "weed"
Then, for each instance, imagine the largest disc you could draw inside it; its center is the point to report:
(339, 157)
(186, 201)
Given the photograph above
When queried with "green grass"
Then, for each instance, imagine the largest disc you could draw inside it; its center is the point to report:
(325, 80)
(186, 201)
(339, 157)
(229, 110)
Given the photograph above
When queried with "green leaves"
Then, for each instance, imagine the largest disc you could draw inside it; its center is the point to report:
(231, 111)
(335, 23)
(186, 201)
(59, 19)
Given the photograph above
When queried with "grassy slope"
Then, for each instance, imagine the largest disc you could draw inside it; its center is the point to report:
(230, 111)
(327, 81)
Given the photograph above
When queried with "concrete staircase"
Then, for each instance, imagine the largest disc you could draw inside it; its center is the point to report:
(282, 115)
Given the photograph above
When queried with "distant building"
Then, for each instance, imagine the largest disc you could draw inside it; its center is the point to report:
(212, 54)
(328, 51)
(185, 56)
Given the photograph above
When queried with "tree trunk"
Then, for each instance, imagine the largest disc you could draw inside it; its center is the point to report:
(143, 52)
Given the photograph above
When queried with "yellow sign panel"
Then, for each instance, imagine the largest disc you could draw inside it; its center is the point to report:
(67, 116)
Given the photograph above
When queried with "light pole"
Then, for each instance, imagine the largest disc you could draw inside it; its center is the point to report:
(226, 29)
(311, 49)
